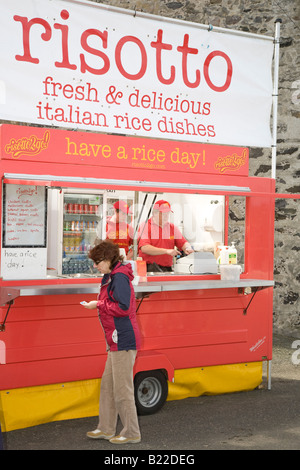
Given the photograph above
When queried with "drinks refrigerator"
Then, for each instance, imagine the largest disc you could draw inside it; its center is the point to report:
(83, 216)
(77, 220)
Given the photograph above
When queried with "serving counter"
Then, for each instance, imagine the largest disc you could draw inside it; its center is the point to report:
(8, 293)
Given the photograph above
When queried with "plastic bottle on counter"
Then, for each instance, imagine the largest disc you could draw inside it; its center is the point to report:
(224, 255)
(232, 254)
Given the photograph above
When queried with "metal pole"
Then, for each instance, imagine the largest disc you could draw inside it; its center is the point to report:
(275, 94)
(136, 201)
(145, 222)
(269, 374)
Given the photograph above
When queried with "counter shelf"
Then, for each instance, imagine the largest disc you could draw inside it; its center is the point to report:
(143, 287)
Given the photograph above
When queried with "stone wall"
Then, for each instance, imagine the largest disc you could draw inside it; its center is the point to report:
(259, 16)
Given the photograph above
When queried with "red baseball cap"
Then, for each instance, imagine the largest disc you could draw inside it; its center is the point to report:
(121, 206)
(162, 206)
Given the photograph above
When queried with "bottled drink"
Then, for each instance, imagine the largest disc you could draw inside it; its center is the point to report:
(232, 254)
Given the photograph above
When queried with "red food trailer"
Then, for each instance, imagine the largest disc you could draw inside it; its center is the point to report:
(171, 109)
(200, 334)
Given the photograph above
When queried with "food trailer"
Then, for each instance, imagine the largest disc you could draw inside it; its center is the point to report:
(56, 196)
(133, 128)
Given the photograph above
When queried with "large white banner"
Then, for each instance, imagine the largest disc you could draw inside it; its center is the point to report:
(82, 65)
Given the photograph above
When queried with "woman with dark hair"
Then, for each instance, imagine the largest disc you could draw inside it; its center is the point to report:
(117, 313)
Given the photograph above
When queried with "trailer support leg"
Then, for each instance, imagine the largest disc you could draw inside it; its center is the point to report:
(269, 373)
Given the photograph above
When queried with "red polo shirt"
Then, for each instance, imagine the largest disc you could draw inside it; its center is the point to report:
(167, 236)
(120, 233)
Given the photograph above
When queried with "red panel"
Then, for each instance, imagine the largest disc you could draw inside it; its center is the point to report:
(50, 343)
(56, 370)
(259, 250)
(87, 148)
(216, 321)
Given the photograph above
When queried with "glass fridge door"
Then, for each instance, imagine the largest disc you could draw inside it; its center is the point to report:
(82, 225)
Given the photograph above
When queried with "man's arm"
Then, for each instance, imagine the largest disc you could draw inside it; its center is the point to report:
(187, 249)
(155, 251)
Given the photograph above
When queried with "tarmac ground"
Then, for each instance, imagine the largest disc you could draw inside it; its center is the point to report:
(257, 420)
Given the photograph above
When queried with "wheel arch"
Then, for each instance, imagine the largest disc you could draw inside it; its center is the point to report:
(154, 360)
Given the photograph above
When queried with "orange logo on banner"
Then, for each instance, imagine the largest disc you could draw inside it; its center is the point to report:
(231, 162)
(27, 145)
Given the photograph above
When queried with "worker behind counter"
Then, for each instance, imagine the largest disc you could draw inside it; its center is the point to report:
(161, 240)
(117, 228)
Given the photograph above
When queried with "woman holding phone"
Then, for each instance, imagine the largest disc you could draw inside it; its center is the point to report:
(117, 314)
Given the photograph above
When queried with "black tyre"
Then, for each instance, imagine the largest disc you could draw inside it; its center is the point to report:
(150, 391)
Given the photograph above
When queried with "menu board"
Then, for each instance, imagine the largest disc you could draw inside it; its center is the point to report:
(24, 252)
(24, 216)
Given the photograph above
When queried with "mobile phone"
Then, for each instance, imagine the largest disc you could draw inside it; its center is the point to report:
(83, 302)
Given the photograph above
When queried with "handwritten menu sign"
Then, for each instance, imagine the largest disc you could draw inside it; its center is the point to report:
(24, 263)
(24, 252)
(24, 216)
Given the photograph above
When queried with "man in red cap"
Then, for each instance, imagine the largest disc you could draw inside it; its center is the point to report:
(117, 228)
(161, 240)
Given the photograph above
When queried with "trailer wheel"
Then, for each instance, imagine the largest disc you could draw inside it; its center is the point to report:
(150, 391)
